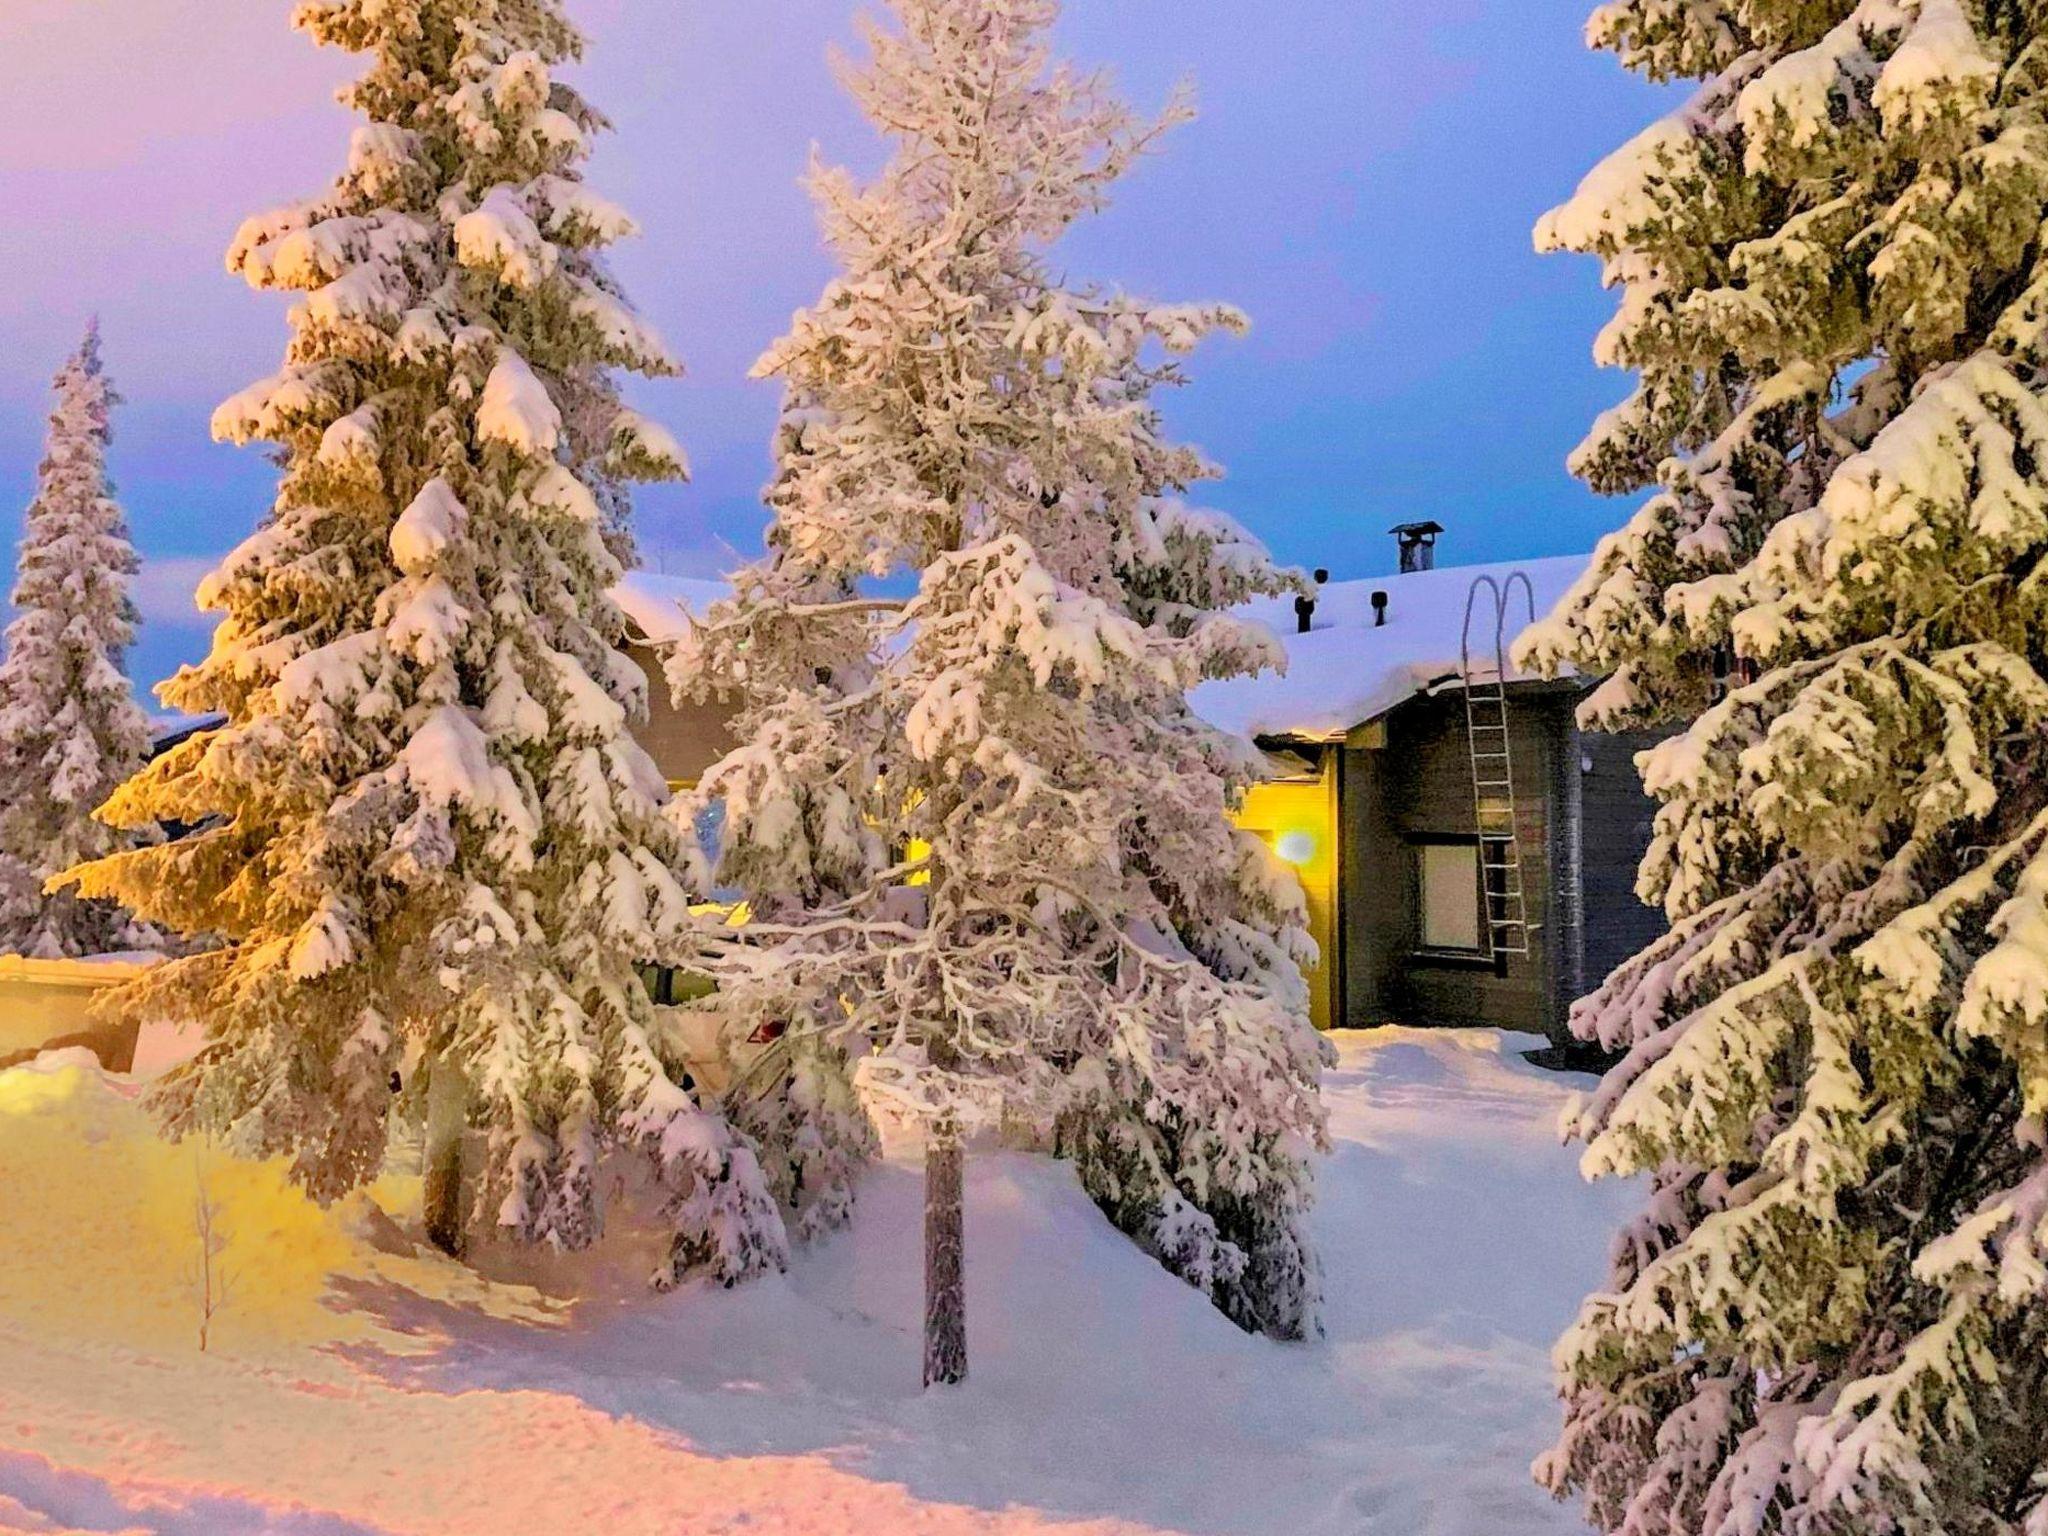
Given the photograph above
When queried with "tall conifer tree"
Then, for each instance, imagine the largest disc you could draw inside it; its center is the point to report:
(1832, 1315)
(70, 729)
(427, 834)
(984, 839)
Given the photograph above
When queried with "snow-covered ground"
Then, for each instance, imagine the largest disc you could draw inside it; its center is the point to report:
(358, 1386)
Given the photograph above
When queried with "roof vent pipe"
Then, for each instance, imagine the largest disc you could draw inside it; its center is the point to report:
(1379, 610)
(1418, 545)
(1305, 605)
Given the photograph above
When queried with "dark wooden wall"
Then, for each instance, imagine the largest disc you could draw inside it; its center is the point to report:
(1584, 824)
(1418, 785)
(684, 739)
(1617, 821)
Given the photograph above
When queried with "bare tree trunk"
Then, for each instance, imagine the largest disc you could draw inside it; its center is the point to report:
(945, 1257)
(214, 1279)
(447, 1126)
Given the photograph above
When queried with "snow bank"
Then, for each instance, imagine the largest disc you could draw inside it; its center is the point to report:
(368, 1388)
(1347, 671)
(107, 1211)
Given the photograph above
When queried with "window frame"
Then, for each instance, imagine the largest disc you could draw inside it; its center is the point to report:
(1480, 952)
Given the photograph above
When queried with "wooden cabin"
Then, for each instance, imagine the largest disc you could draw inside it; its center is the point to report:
(1376, 801)
(46, 1005)
(1469, 854)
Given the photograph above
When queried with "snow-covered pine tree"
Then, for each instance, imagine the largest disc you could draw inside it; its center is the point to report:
(1832, 1315)
(70, 729)
(427, 836)
(984, 839)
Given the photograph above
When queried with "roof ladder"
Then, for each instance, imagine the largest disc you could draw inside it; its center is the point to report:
(1493, 767)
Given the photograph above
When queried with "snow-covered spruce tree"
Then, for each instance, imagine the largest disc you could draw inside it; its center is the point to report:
(1832, 1316)
(984, 839)
(70, 729)
(427, 835)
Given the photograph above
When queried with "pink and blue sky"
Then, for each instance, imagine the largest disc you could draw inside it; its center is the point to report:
(1363, 181)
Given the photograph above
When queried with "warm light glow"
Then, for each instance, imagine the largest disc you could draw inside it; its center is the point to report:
(737, 914)
(1296, 819)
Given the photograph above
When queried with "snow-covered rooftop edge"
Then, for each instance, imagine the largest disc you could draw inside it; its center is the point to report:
(1342, 674)
(657, 604)
(1345, 672)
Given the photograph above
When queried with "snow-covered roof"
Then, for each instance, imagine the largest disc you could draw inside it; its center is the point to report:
(1346, 672)
(85, 971)
(656, 604)
(1340, 675)
(171, 729)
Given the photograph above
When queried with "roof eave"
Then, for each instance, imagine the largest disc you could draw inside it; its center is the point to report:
(1435, 688)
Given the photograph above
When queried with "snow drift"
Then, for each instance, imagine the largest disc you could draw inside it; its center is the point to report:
(360, 1385)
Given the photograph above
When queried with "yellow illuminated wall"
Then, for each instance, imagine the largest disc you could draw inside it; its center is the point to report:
(1298, 820)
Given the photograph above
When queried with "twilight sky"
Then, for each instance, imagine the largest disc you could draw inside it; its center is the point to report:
(1363, 181)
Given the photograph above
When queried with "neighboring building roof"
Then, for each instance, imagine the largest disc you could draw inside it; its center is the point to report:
(1345, 672)
(90, 971)
(168, 731)
(657, 604)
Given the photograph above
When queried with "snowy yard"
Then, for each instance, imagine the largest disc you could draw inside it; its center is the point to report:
(359, 1387)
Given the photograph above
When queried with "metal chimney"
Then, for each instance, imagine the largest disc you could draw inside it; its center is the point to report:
(1418, 545)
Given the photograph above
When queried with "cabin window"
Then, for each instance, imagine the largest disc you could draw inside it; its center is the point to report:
(1449, 895)
(671, 988)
